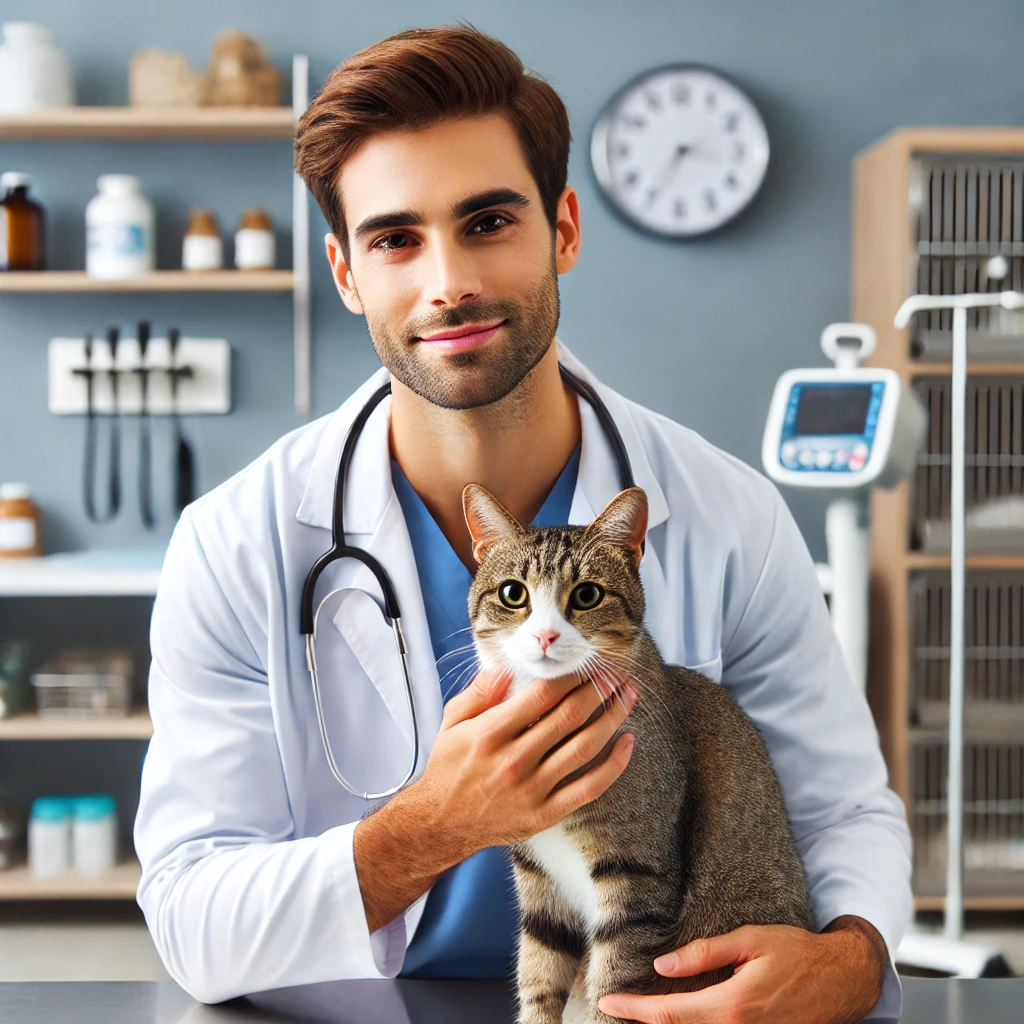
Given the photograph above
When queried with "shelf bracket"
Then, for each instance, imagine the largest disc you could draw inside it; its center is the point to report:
(300, 249)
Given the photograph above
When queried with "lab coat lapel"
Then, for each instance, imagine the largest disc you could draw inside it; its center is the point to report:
(372, 640)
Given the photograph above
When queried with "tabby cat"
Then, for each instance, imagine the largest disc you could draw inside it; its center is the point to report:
(692, 840)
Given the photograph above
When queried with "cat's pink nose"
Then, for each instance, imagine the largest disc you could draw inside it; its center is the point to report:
(546, 637)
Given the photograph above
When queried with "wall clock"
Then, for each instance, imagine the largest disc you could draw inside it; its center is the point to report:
(680, 151)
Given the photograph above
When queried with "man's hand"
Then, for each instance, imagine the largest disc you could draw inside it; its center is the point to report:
(492, 779)
(782, 974)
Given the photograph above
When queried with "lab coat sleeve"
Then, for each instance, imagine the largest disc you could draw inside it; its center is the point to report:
(783, 662)
(234, 903)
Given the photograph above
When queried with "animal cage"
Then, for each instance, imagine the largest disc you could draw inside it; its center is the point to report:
(994, 472)
(994, 732)
(966, 213)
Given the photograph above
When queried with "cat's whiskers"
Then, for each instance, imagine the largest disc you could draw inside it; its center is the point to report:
(456, 650)
(617, 662)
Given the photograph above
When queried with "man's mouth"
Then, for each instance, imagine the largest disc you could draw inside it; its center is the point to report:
(459, 339)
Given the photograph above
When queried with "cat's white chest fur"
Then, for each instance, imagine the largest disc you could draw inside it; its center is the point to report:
(555, 852)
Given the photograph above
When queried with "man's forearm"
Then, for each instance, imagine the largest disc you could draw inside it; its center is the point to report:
(399, 853)
(866, 954)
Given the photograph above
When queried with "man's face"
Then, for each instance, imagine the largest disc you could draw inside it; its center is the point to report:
(451, 258)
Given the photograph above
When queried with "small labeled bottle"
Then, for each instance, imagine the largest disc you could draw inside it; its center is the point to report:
(202, 248)
(94, 834)
(20, 523)
(254, 241)
(120, 237)
(49, 836)
(22, 226)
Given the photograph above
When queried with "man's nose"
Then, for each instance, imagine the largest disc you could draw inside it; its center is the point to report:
(454, 277)
(546, 637)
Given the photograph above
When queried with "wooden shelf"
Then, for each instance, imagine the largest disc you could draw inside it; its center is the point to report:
(30, 726)
(128, 572)
(974, 369)
(121, 883)
(1011, 902)
(158, 281)
(151, 123)
(920, 560)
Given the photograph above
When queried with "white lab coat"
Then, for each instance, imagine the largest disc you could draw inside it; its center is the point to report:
(245, 838)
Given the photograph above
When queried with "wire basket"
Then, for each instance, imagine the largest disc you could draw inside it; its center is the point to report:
(85, 684)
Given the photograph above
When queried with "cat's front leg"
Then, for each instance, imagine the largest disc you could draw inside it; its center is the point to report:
(552, 944)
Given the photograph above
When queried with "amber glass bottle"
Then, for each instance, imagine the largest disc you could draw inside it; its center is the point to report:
(22, 234)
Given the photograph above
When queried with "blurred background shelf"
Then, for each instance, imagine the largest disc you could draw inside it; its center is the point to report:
(158, 281)
(127, 572)
(121, 883)
(151, 123)
(30, 726)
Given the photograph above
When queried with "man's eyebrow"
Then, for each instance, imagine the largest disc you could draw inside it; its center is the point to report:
(463, 208)
(398, 219)
(492, 197)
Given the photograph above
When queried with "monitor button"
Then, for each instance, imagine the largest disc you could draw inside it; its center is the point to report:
(806, 458)
(823, 460)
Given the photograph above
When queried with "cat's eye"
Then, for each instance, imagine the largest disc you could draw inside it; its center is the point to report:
(586, 596)
(512, 594)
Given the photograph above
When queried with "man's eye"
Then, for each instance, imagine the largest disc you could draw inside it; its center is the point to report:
(489, 224)
(391, 242)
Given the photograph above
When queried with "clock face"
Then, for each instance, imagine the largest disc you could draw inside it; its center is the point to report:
(680, 151)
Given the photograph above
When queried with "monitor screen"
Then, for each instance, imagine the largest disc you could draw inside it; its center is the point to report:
(832, 409)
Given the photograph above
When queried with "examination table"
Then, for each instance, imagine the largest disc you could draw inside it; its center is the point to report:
(926, 1001)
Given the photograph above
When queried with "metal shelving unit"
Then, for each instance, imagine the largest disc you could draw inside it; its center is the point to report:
(931, 207)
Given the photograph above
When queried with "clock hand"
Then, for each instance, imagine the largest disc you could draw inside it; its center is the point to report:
(673, 165)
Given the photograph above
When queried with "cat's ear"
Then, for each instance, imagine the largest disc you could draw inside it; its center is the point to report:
(623, 522)
(487, 519)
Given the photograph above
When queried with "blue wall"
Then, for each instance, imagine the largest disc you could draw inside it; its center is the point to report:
(697, 331)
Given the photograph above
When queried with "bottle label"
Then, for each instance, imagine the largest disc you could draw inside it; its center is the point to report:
(119, 239)
(17, 534)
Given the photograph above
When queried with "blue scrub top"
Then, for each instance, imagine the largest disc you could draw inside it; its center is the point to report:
(469, 922)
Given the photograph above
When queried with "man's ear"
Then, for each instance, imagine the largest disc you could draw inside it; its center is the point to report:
(622, 522)
(342, 273)
(487, 519)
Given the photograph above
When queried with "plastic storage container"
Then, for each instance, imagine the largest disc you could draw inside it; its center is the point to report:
(254, 241)
(34, 74)
(22, 225)
(20, 523)
(119, 227)
(49, 836)
(202, 248)
(94, 834)
(85, 684)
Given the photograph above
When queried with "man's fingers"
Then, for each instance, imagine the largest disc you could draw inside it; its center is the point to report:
(686, 1008)
(706, 955)
(594, 782)
(486, 689)
(530, 704)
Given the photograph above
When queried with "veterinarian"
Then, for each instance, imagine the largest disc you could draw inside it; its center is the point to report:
(441, 169)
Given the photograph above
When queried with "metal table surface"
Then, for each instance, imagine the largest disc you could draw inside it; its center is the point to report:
(926, 1001)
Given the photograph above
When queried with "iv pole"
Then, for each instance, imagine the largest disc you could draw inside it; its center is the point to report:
(950, 952)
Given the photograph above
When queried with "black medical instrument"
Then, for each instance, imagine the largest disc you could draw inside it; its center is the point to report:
(184, 462)
(392, 614)
(145, 434)
(89, 462)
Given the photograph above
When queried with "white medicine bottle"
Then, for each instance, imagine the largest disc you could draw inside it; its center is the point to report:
(49, 836)
(94, 834)
(119, 229)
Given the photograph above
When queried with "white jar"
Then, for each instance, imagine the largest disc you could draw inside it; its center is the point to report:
(119, 228)
(49, 836)
(94, 834)
(34, 74)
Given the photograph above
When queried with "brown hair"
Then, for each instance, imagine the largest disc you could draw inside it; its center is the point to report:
(414, 80)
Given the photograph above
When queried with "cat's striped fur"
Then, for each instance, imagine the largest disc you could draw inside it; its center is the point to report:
(692, 840)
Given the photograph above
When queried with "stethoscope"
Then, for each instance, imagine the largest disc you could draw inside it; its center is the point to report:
(392, 614)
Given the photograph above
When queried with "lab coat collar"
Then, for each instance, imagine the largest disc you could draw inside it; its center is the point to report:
(598, 481)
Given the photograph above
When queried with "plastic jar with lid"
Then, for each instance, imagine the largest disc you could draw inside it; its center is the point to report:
(94, 834)
(20, 523)
(120, 236)
(49, 836)
(22, 225)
